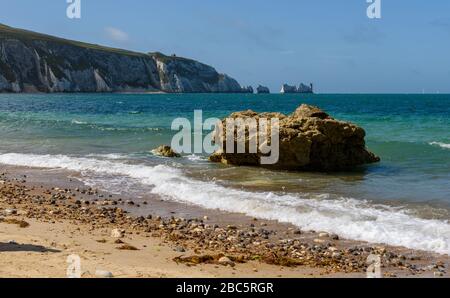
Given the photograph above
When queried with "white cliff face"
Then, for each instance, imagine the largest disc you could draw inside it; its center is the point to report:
(38, 66)
(31, 62)
(4, 84)
(15, 87)
(102, 86)
(184, 75)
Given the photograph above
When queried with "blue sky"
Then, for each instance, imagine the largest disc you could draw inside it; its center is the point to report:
(329, 42)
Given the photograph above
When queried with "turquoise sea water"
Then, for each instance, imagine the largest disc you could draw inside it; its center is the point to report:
(404, 200)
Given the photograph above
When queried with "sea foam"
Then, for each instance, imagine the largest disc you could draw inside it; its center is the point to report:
(440, 144)
(347, 217)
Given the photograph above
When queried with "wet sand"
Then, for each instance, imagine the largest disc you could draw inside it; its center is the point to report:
(172, 239)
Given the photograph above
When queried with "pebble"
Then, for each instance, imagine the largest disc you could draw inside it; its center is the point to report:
(225, 261)
(10, 211)
(117, 233)
(336, 255)
(103, 274)
(334, 237)
(180, 249)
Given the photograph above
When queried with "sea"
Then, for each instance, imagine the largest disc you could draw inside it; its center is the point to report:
(108, 140)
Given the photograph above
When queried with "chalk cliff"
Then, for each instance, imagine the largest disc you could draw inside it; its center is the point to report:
(34, 62)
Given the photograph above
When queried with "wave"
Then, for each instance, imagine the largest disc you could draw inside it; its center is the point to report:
(109, 156)
(440, 144)
(74, 121)
(128, 129)
(347, 217)
(105, 127)
(194, 157)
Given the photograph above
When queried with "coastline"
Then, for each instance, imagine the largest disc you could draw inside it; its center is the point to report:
(80, 221)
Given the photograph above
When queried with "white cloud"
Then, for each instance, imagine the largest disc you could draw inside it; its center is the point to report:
(116, 34)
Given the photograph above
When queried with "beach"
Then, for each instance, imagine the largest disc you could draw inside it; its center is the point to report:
(41, 225)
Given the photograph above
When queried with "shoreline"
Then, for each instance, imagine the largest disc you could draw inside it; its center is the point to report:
(258, 248)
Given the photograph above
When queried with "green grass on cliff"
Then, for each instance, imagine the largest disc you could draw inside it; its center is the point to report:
(166, 59)
(25, 35)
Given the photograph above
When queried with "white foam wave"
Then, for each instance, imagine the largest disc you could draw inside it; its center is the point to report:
(194, 157)
(440, 144)
(109, 156)
(349, 218)
(74, 121)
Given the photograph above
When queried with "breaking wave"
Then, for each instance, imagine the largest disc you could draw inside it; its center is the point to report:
(347, 217)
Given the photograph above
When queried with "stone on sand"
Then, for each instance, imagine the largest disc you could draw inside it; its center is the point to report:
(117, 233)
(103, 274)
(225, 261)
(166, 151)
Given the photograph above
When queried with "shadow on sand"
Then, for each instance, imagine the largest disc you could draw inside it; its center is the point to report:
(13, 247)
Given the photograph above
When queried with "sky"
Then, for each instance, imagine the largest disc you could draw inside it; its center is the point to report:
(331, 43)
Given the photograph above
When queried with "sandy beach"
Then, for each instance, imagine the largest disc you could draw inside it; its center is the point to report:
(41, 225)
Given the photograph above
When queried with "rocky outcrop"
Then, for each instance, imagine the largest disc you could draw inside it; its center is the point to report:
(310, 140)
(165, 151)
(302, 88)
(33, 62)
(248, 89)
(288, 89)
(262, 90)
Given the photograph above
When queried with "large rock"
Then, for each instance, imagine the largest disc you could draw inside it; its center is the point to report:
(310, 140)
